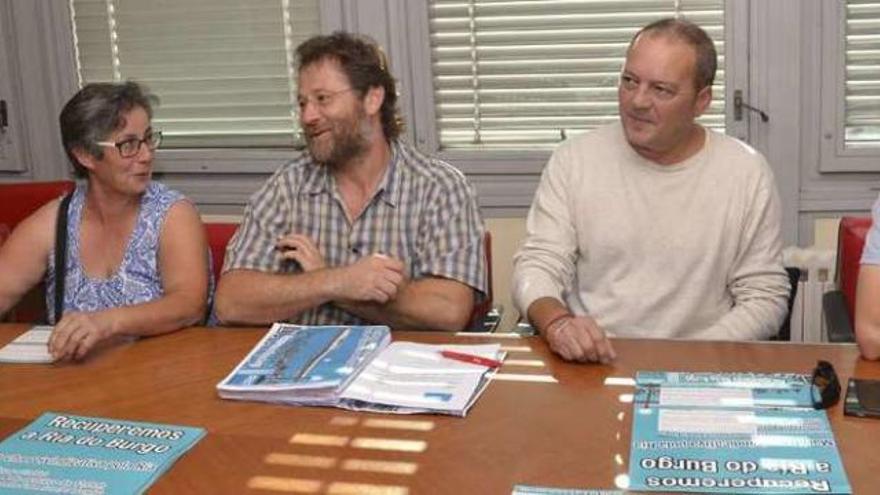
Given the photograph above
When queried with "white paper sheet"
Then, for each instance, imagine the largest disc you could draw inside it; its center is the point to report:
(417, 376)
(29, 347)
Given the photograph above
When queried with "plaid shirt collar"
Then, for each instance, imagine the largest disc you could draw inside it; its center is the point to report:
(319, 180)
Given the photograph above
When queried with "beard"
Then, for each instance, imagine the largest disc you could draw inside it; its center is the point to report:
(344, 140)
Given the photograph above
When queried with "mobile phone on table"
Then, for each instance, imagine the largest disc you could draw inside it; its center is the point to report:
(862, 398)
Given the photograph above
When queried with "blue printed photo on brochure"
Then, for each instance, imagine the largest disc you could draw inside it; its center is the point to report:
(738, 390)
(791, 451)
(64, 453)
(324, 356)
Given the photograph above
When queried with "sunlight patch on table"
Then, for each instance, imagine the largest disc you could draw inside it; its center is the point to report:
(516, 348)
(297, 460)
(316, 439)
(520, 377)
(399, 424)
(288, 485)
(389, 444)
(620, 381)
(388, 467)
(532, 363)
(341, 488)
(343, 421)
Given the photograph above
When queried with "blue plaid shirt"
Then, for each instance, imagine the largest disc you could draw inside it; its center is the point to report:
(424, 213)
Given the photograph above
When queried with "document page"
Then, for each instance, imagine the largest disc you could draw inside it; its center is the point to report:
(29, 347)
(737, 390)
(706, 396)
(418, 376)
(707, 421)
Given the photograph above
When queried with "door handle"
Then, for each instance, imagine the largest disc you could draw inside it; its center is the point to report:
(739, 104)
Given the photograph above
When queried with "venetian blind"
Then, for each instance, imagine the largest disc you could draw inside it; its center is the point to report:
(222, 69)
(862, 74)
(528, 73)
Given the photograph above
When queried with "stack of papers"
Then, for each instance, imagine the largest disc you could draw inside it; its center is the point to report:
(355, 367)
(29, 347)
(64, 453)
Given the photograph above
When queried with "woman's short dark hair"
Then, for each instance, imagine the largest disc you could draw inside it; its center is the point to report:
(692, 35)
(95, 112)
(363, 63)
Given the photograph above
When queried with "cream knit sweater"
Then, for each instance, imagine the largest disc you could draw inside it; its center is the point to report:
(688, 250)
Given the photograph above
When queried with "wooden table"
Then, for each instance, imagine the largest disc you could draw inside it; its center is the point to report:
(573, 433)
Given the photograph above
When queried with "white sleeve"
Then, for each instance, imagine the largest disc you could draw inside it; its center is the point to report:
(871, 252)
(544, 266)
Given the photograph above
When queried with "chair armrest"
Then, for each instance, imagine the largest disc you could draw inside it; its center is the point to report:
(838, 326)
(489, 321)
(493, 318)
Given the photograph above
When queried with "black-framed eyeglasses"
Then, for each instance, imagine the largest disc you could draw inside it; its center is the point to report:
(825, 385)
(132, 146)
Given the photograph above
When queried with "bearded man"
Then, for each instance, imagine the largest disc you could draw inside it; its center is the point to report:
(361, 228)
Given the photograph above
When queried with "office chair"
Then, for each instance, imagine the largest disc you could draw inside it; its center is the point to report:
(839, 306)
(794, 276)
(485, 316)
(19, 199)
(218, 235)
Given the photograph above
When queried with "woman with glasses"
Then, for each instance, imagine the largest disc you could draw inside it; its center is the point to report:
(135, 261)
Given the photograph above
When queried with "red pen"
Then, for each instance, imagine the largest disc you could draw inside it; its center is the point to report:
(470, 358)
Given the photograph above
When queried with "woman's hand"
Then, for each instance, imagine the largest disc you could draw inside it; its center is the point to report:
(77, 334)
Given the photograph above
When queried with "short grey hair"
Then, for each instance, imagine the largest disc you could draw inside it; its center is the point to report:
(95, 112)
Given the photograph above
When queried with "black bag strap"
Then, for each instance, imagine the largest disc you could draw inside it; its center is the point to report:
(61, 255)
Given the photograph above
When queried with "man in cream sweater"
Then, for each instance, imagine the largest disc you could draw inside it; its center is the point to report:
(654, 226)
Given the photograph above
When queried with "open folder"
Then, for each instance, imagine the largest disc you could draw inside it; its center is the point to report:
(358, 368)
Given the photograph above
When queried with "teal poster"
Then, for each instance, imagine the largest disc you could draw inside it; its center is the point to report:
(723, 433)
(63, 453)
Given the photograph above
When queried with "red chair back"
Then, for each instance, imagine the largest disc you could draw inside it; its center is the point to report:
(850, 243)
(4, 233)
(218, 237)
(483, 307)
(18, 200)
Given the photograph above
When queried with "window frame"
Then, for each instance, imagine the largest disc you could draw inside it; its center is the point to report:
(510, 161)
(11, 144)
(188, 161)
(833, 154)
(505, 179)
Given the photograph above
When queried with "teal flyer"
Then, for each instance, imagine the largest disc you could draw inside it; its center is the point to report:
(64, 453)
(742, 451)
